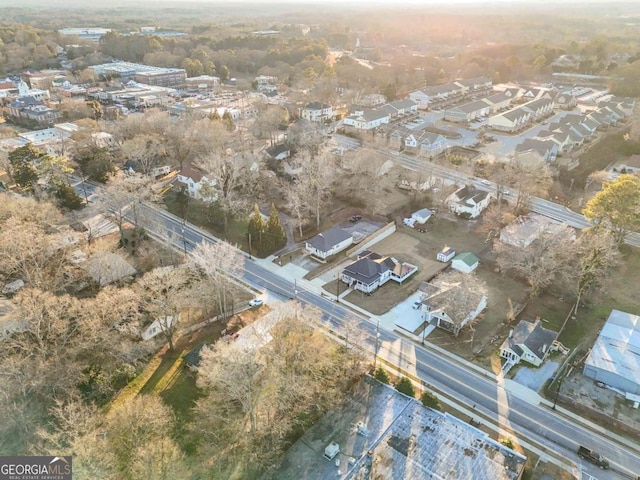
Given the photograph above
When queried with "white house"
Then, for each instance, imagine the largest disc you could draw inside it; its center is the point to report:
(371, 271)
(469, 200)
(451, 302)
(279, 152)
(158, 326)
(318, 112)
(366, 119)
(422, 215)
(329, 243)
(446, 254)
(526, 229)
(528, 341)
(465, 262)
(194, 180)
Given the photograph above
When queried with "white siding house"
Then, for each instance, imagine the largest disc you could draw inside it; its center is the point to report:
(194, 180)
(469, 200)
(465, 262)
(329, 243)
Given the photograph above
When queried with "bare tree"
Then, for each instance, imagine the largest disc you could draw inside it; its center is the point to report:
(541, 262)
(316, 175)
(232, 173)
(145, 150)
(219, 262)
(162, 296)
(195, 138)
(297, 200)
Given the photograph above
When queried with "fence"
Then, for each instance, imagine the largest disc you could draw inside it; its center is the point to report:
(372, 239)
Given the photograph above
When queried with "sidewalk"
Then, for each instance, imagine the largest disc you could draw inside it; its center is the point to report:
(293, 274)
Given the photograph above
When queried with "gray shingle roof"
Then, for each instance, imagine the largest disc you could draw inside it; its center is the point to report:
(325, 241)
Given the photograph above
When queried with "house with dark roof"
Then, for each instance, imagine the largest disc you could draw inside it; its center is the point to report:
(528, 341)
(279, 152)
(511, 120)
(192, 357)
(30, 108)
(371, 271)
(318, 112)
(469, 200)
(329, 243)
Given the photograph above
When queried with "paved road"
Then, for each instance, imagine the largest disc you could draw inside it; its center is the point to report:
(531, 422)
(539, 205)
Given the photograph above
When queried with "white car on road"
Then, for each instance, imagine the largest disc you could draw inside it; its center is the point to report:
(256, 302)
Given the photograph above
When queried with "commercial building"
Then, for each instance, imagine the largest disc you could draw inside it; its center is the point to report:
(149, 75)
(91, 33)
(615, 356)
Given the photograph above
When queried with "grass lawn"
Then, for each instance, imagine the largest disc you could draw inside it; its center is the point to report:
(211, 219)
(404, 248)
(620, 294)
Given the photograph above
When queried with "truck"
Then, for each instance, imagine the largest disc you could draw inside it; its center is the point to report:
(593, 457)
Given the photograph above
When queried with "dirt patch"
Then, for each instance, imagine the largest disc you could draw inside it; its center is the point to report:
(404, 248)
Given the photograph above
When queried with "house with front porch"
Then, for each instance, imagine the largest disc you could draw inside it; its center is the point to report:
(370, 271)
(539, 108)
(529, 342)
(329, 243)
(469, 200)
(452, 302)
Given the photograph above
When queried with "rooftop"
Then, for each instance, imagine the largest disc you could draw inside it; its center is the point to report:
(617, 348)
(326, 240)
(407, 442)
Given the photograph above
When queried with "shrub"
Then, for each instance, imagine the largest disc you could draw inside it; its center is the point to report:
(428, 399)
(405, 386)
(381, 375)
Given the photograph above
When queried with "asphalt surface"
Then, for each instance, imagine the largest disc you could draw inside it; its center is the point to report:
(536, 424)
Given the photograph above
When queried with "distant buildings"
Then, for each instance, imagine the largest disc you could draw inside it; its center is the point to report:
(155, 76)
(91, 33)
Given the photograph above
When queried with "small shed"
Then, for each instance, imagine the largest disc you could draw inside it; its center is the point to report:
(422, 215)
(446, 254)
(331, 450)
(465, 262)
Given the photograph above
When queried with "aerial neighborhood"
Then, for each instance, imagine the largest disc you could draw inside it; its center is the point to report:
(318, 242)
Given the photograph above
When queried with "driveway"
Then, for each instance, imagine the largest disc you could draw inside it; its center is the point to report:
(534, 378)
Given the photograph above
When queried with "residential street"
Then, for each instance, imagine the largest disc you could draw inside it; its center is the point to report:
(530, 422)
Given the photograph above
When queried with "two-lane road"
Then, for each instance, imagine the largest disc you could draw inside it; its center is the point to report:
(536, 424)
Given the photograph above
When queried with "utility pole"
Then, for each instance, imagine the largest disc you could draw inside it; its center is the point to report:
(338, 288)
(555, 399)
(375, 350)
(295, 288)
(249, 245)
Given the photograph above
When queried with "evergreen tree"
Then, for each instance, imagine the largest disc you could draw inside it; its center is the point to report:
(404, 385)
(66, 196)
(276, 236)
(255, 229)
(428, 399)
(228, 121)
(381, 375)
(23, 170)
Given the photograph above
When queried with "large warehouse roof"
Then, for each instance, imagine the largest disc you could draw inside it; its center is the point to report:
(617, 349)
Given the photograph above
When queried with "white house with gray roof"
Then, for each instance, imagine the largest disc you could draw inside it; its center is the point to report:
(329, 243)
(372, 270)
(615, 356)
(528, 341)
(469, 200)
(366, 119)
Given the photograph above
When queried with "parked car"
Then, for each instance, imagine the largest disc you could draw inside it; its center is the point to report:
(600, 385)
(355, 218)
(256, 302)
(416, 305)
